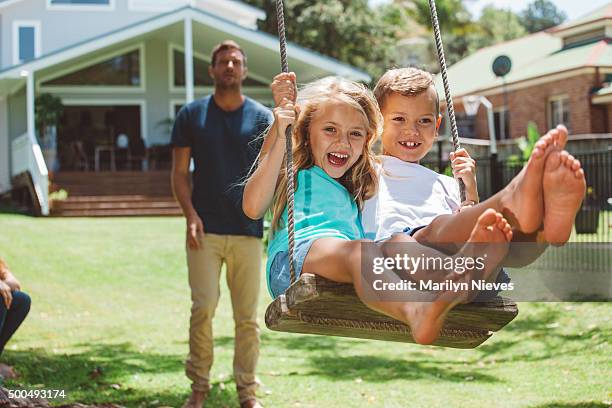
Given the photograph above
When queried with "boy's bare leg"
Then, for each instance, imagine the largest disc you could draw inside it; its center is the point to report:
(521, 201)
(340, 260)
(564, 188)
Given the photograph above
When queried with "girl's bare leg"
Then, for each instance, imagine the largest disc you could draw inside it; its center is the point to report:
(341, 261)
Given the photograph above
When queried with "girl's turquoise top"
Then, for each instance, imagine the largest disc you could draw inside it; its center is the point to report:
(323, 208)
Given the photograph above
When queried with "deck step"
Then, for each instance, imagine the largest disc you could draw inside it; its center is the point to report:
(120, 213)
(114, 194)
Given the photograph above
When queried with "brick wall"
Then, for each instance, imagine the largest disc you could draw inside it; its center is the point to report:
(531, 105)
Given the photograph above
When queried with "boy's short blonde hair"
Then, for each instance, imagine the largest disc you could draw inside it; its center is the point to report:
(406, 82)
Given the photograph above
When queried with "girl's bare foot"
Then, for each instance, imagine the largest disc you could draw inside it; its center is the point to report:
(427, 318)
(564, 187)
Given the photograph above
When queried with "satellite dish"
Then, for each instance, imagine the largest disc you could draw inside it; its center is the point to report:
(502, 66)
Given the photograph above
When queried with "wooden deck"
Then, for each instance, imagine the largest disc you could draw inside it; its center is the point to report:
(112, 194)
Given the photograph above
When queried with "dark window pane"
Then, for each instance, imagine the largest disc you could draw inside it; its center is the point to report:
(499, 118)
(123, 70)
(104, 2)
(200, 72)
(26, 44)
(177, 108)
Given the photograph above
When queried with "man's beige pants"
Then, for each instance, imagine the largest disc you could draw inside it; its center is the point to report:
(242, 256)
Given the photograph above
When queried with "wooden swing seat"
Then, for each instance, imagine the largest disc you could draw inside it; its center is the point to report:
(315, 305)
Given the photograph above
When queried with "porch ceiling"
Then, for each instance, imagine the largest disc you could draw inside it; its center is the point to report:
(10, 85)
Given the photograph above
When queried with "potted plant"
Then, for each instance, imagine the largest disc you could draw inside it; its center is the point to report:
(587, 219)
(49, 110)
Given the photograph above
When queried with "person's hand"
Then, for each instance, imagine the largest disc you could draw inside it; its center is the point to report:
(195, 231)
(284, 88)
(7, 296)
(284, 116)
(464, 168)
(12, 281)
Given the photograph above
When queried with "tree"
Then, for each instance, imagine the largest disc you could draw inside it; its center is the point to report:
(540, 15)
(456, 26)
(348, 30)
(494, 26)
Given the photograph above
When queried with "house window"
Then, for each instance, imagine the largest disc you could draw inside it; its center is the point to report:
(81, 4)
(26, 41)
(466, 125)
(121, 70)
(200, 72)
(502, 123)
(558, 109)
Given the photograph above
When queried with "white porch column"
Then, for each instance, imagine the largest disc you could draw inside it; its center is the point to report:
(5, 148)
(188, 37)
(30, 111)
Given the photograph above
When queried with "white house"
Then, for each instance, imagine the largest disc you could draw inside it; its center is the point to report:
(122, 69)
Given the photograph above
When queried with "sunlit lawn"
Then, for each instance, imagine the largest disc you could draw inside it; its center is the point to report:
(109, 323)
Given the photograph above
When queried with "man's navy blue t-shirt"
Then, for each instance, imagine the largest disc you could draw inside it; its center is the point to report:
(224, 146)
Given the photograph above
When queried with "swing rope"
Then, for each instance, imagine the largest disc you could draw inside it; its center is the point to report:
(280, 17)
(447, 91)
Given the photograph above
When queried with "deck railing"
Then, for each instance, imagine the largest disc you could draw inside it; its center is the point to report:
(27, 157)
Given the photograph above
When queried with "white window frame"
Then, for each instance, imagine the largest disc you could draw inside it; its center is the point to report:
(17, 24)
(115, 102)
(565, 99)
(81, 7)
(251, 90)
(97, 88)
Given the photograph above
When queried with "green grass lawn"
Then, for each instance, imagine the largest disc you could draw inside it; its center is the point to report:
(109, 323)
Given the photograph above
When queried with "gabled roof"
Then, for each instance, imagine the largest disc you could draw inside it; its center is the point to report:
(265, 42)
(474, 73)
(602, 13)
(534, 56)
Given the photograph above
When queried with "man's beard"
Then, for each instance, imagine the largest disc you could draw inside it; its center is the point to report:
(224, 86)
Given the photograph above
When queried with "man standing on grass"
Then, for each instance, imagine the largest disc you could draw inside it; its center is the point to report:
(218, 132)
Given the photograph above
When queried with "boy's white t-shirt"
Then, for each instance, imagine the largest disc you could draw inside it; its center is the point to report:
(409, 195)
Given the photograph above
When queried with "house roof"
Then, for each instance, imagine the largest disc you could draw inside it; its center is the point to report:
(266, 44)
(474, 73)
(533, 56)
(602, 13)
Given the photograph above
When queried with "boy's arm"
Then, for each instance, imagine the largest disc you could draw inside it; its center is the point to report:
(464, 168)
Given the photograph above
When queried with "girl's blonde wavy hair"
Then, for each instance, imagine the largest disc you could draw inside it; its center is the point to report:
(360, 179)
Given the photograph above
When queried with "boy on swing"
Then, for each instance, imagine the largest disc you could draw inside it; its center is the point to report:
(541, 203)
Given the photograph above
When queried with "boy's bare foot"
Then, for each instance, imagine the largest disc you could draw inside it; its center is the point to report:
(523, 200)
(559, 135)
(196, 399)
(427, 318)
(564, 187)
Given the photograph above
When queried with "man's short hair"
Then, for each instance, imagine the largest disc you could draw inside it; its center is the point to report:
(406, 82)
(224, 46)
